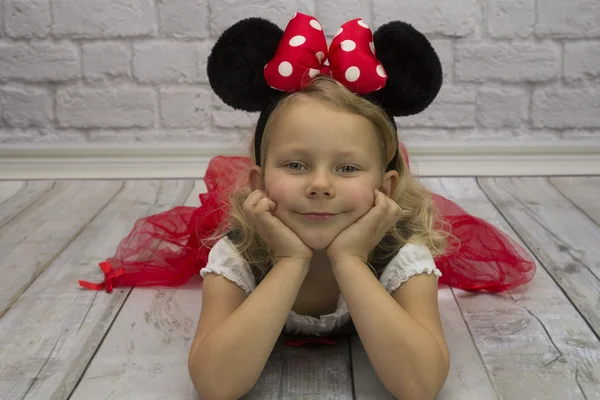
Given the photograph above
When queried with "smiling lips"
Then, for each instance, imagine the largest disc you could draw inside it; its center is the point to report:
(319, 216)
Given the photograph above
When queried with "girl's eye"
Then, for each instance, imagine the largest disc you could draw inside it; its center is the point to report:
(290, 165)
(296, 166)
(349, 166)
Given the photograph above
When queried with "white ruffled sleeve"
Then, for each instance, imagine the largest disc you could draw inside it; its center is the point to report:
(225, 260)
(412, 259)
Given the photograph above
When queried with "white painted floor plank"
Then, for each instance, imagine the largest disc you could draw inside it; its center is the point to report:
(533, 341)
(583, 191)
(563, 238)
(36, 235)
(16, 196)
(9, 189)
(147, 347)
(54, 328)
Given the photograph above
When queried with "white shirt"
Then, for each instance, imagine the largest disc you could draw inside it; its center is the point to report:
(412, 259)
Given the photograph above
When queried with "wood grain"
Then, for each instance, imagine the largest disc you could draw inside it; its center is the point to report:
(562, 237)
(310, 372)
(36, 235)
(54, 328)
(147, 347)
(583, 191)
(9, 189)
(16, 196)
(533, 341)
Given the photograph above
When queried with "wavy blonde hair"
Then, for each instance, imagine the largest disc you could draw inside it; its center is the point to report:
(420, 222)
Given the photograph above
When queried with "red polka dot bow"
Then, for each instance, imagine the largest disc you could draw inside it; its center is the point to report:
(302, 55)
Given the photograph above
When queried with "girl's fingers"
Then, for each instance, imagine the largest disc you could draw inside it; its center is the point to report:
(253, 198)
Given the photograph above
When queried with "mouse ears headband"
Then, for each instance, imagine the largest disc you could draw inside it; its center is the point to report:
(254, 64)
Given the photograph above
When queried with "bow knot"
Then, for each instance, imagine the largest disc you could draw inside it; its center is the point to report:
(109, 275)
(302, 53)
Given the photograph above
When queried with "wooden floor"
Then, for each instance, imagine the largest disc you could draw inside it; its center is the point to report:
(58, 341)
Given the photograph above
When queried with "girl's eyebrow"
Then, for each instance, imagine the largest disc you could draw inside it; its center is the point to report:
(304, 151)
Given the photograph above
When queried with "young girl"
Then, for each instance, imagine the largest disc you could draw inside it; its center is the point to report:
(323, 228)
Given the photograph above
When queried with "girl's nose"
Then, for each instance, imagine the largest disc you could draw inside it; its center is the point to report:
(321, 185)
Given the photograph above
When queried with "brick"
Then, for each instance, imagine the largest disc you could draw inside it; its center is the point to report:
(502, 108)
(17, 136)
(454, 107)
(333, 13)
(184, 18)
(41, 135)
(580, 135)
(26, 19)
(225, 13)
(106, 108)
(39, 62)
(225, 139)
(566, 108)
(568, 19)
(1, 21)
(480, 62)
(582, 61)
(507, 19)
(106, 60)
(104, 19)
(26, 107)
(162, 61)
(203, 51)
(478, 134)
(306, 7)
(443, 48)
(451, 18)
(185, 107)
(234, 119)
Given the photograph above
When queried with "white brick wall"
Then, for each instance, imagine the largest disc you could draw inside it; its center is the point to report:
(135, 70)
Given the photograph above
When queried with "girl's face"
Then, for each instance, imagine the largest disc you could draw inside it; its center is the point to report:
(320, 159)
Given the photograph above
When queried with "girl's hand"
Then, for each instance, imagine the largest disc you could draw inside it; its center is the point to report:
(361, 237)
(282, 241)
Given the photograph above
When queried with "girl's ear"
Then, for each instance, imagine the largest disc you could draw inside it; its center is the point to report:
(390, 183)
(255, 178)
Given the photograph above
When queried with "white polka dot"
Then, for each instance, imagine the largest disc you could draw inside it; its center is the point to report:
(315, 24)
(295, 15)
(362, 23)
(352, 74)
(313, 72)
(320, 55)
(372, 46)
(348, 45)
(339, 31)
(379, 88)
(297, 40)
(381, 71)
(285, 69)
(326, 63)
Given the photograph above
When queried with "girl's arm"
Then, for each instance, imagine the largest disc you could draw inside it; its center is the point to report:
(236, 335)
(402, 333)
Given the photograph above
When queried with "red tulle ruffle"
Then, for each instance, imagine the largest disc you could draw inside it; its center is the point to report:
(168, 248)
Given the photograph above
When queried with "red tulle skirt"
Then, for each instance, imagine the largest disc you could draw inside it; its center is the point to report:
(168, 248)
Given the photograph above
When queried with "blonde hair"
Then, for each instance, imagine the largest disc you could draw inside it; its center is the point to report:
(421, 222)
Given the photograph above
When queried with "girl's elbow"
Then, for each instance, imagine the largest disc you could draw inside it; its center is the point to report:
(208, 386)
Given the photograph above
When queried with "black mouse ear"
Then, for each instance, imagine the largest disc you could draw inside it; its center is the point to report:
(236, 63)
(414, 69)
